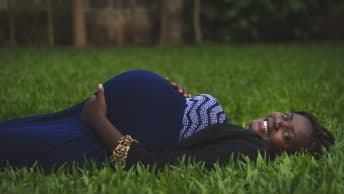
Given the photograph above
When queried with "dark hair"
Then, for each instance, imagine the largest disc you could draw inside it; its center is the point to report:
(321, 136)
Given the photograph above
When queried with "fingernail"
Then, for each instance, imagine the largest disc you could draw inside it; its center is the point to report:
(100, 87)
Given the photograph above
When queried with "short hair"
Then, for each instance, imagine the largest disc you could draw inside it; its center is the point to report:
(321, 136)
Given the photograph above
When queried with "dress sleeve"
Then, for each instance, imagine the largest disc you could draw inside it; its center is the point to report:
(209, 154)
(138, 154)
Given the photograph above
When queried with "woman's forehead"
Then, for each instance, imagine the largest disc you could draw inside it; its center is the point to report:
(302, 128)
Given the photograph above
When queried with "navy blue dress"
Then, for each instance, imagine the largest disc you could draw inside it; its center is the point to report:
(139, 103)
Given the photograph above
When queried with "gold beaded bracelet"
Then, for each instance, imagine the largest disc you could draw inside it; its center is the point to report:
(120, 153)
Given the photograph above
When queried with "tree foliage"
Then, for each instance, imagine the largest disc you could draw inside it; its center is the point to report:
(272, 20)
(142, 22)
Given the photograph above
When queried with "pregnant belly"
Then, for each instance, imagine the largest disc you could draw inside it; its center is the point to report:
(144, 105)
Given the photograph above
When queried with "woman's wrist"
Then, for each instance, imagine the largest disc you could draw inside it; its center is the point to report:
(94, 115)
(110, 134)
(120, 152)
(99, 120)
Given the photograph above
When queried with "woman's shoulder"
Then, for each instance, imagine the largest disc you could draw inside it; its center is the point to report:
(220, 133)
(219, 143)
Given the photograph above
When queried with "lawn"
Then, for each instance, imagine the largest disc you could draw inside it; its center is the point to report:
(249, 80)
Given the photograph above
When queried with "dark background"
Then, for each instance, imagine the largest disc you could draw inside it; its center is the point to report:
(167, 22)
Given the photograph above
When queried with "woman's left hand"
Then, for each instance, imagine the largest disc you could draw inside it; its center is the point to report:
(94, 116)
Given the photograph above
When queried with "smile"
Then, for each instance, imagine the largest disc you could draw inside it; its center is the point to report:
(265, 125)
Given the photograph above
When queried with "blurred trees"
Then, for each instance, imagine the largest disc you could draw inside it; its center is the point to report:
(80, 37)
(11, 13)
(268, 20)
(171, 22)
(197, 26)
(118, 22)
(50, 23)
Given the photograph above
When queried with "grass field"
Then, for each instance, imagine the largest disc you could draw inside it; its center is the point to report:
(248, 80)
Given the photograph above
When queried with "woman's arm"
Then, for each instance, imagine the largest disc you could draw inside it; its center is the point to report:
(94, 116)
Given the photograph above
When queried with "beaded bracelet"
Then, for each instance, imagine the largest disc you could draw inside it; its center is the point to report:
(120, 153)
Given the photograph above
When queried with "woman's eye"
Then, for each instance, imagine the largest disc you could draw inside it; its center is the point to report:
(288, 136)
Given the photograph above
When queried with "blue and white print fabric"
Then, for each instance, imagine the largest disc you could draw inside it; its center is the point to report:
(201, 111)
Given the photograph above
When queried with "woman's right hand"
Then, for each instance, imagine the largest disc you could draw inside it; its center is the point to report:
(180, 89)
(94, 110)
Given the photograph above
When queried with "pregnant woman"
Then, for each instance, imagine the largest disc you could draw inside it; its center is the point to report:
(140, 117)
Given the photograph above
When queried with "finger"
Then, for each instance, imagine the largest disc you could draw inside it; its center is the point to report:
(101, 89)
(100, 95)
(174, 84)
(87, 101)
(168, 80)
(91, 99)
(180, 90)
(185, 95)
(184, 90)
(189, 95)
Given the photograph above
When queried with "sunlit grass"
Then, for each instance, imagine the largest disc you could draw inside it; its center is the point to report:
(248, 80)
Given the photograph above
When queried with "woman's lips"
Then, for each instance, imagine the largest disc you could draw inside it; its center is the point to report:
(265, 126)
(270, 126)
(261, 126)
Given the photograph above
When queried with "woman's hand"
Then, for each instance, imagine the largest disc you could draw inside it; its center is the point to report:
(180, 89)
(94, 110)
(94, 116)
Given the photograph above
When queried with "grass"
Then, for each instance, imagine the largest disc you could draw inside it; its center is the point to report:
(249, 81)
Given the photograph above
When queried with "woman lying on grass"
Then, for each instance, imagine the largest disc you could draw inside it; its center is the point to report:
(140, 117)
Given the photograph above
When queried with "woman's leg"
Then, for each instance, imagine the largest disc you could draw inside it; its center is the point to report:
(140, 103)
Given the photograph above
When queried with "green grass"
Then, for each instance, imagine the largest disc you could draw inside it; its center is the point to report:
(249, 81)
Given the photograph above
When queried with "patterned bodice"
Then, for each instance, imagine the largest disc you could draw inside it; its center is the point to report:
(201, 111)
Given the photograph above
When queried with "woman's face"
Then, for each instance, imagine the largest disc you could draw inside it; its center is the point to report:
(283, 131)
